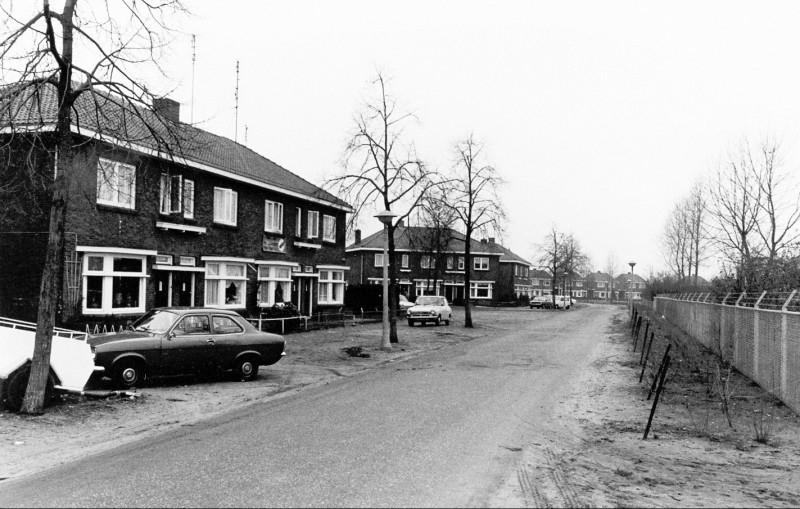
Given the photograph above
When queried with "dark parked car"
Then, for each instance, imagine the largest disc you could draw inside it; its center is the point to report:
(542, 302)
(179, 341)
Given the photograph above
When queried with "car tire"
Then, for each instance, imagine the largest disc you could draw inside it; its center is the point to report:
(447, 322)
(411, 323)
(247, 368)
(128, 373)
(438, 320)
(17, 383)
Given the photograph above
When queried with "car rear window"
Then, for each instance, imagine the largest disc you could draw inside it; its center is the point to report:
(225, 325)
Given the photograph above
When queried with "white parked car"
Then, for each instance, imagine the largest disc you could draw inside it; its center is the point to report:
(563, 301)
(430, 308)
(404, 304)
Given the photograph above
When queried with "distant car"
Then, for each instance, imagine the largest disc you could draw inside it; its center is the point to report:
(563, 301)
(405, 304)
(179, 341)
(430, 308)
(542, 302)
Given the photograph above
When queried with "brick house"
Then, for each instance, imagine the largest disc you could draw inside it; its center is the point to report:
(541, 282)
(207, 223)
(599, 286)
(515, 275)
(424, 272)
(629, 286)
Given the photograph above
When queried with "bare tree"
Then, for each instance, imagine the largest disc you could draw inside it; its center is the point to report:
(612, 268)
(552, 254)
(380, 169)
(38, 58)
(779, 205)
(473, 197)
(735, 196)
(435, 237)
(575, 261)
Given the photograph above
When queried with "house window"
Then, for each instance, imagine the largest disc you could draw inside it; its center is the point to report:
(273, 216)
(379, 259)
(313, 224)
(545, 282)
(480, 290)
(601, 284)
(331, 287)
(188, 199)
(116, 184)
(427, 262)
(516, 270)
(225, 201)
(298, 220)
(226, 284)
(480, 263)
(404, 261)
(427, 288)
(601, 295)
(274, 284)
(188, 261)
(460, 263)
(113, 284)
(449, 263)
(578, 284)
(170, 198)
(329, 228)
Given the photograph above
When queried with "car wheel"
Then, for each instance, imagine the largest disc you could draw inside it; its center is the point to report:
(247, 368)
(447, 322)
(16, 385)
(411, 323)
(128, 373)
(438, 320)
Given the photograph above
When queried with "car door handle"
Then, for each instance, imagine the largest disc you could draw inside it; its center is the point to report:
(211, 340)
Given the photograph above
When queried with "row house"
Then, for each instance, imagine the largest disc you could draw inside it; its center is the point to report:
(515, 275)
(430, 263)
(541, 282)
(206, 222)
(629, 286)
(600, 286)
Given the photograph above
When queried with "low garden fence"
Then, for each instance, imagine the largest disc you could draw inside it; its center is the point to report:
(759, 333)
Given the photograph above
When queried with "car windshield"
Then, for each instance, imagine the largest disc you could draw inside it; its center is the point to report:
(428, 301)
(156, 321)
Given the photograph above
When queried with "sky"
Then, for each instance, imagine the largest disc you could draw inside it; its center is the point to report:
(599, 115)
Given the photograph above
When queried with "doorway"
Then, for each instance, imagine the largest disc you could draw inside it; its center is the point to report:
(303, 295)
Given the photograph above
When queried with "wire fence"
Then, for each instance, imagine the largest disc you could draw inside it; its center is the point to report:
(759, 333)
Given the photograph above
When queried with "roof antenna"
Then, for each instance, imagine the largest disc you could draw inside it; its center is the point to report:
(236, 119)
(245, 135)
(191, 108)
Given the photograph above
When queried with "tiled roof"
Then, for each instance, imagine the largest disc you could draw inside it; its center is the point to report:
(115, 119)
(510, 256)
(413, 238)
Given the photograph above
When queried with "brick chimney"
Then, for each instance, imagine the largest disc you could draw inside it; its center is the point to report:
(358, 236)
(170, 109)
(491, 240)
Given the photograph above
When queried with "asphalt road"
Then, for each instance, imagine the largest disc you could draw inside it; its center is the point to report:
(439, 430)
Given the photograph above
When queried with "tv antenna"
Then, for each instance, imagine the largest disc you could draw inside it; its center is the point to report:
(191, 108)
(236, 108)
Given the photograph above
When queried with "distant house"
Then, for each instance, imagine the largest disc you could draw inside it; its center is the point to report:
(206, 223)
(426, 271)
(599, 286)
(541, 282)
(630, 286)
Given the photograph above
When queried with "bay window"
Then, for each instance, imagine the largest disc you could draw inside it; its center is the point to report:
(274, 283)
(331, 286)
(479, 290)
(226, 284)
(113, 283)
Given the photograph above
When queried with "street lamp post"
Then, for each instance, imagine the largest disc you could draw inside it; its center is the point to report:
(386, 217)
(630, 282)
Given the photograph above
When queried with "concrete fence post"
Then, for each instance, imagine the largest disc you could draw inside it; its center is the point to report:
(785, 346)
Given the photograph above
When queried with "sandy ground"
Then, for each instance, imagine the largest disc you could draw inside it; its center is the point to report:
(592, 454)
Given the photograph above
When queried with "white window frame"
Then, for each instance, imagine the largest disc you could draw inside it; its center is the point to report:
(425, 287)
(188, 198)
(601, 284)
(298, 222)
(313, 224)
(273, 216)
(404, 261)
(427, 262)
(478, 263)
(460, 263)
(170, 196)
(474, 286)
(225, 206)
(109, 179)
(328, 228)
(223, 278)
(108, 274)
(379, 260)
(331, 287)
(270, 275)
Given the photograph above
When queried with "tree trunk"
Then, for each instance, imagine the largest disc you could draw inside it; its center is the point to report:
(467, 280)
(392, 286)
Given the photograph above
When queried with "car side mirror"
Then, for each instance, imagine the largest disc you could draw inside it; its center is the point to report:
(171, 335)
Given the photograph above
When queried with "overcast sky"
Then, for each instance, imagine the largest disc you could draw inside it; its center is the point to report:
(600, 115)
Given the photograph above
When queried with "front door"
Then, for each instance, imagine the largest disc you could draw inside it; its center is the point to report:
(303, 294)
(162, 281)
(182, 288)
